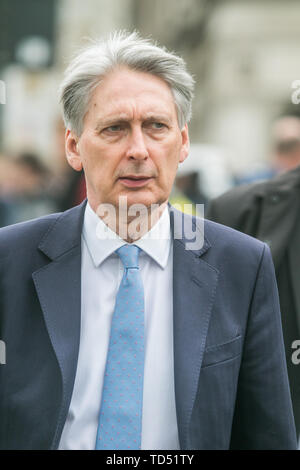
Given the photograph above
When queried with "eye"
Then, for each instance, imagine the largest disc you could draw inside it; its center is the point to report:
(158, 125)
(114, 128)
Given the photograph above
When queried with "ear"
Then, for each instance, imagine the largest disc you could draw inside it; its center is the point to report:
(72, 152)
(185, 145)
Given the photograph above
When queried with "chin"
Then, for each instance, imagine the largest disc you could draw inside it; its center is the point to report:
(141, 198)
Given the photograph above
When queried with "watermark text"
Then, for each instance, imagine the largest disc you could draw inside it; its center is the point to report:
(137, 220)
(296, 354)
(2, 352)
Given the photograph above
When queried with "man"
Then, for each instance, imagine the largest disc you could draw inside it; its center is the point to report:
(286, 142)
(186, 350)
(270, 211)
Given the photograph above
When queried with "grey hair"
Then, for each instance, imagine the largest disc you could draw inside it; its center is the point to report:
(94, 62)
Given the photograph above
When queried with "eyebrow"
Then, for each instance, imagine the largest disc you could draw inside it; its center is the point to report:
(157, 117)
(122, 119)
(102, 123)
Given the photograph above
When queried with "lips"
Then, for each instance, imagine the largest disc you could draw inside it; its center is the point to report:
(135, 181)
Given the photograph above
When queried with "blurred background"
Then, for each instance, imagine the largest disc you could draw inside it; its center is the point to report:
(244, 55)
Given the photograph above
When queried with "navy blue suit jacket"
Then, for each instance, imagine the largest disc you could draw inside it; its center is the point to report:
(231, 383)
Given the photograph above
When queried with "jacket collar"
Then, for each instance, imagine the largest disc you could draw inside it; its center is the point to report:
(65, 233)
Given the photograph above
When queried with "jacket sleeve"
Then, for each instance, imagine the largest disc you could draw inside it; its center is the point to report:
(263, 417)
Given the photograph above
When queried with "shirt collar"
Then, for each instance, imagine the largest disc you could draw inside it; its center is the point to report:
(101, 241)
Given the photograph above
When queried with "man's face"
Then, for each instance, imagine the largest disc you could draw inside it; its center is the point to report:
(131, 143)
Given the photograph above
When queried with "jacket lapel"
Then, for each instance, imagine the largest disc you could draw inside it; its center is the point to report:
(194, 287)
(58, 286)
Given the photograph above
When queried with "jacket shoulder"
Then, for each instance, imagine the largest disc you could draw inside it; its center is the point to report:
(25, 234)
(233, 207)
(233, 252)
(230, 238)
(221, 236)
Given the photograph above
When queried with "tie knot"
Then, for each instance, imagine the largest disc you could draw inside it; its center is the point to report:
(129, 255)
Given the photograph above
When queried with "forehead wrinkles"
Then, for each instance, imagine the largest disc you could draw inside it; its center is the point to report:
(126, 88)
(131, 110)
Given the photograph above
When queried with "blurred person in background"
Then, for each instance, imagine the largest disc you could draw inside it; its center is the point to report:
(203, 175)
(270, 211)
(185, 194)
(24, 189)
(189, 185)
(285, 149)
(286, 143)
(68, 187)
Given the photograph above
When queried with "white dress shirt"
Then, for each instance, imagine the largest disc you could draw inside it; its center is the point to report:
(101, 274)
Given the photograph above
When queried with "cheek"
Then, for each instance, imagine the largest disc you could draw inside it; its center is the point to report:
(92, 155)
(169, 160)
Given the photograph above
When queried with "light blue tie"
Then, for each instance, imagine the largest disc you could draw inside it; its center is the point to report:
(120, 419)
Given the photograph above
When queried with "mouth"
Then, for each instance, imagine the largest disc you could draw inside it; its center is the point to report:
(135, 181)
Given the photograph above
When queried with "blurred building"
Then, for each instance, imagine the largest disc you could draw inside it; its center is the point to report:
(243, 54)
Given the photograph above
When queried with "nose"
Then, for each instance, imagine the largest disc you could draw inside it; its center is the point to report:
(137, 149)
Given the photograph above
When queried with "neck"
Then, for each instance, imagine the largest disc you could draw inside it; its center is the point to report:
(130, 223)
